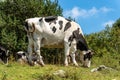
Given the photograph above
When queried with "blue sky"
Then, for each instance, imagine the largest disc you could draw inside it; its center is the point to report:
(92, 15)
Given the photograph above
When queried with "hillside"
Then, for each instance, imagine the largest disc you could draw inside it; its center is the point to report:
(105, 45)
(15, 71)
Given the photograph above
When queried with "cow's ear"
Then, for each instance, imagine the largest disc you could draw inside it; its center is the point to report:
(40, 19)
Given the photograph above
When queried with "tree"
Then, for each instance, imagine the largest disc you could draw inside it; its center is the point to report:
(13, 14)
(107, 40)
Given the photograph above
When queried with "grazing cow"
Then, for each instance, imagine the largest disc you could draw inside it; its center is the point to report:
(56, 32)
(4, 54)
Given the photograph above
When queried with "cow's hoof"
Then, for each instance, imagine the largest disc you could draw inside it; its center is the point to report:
(76, 65)
(31, 63)
(66, 64)
(41, 63)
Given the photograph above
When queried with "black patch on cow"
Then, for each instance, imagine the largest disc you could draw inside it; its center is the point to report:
(87, 56)
(54, 29)
(68, 20)
(51, 18)
(61, 24)
(26, 25)
(40, 19)
(52, 22)
(70, 39)
(67, 26)
(3, 55)
(81, 42)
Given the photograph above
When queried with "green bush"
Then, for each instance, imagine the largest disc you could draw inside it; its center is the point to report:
(13, 14)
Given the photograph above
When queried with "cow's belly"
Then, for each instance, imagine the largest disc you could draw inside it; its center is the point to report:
(59, 45)
(52, 43)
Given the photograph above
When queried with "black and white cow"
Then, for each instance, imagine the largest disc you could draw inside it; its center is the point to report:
(4, 54)
(22, 57)
(56, 32)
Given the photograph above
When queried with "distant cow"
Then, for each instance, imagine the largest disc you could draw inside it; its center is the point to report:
(56, 32)
(22, 57)
(4, 54)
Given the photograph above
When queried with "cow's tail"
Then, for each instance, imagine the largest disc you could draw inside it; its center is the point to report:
(33, 26)
(31, 29)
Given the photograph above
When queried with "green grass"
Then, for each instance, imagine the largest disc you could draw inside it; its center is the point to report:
(15, 71)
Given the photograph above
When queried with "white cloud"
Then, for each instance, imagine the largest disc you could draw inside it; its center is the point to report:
(92, 11)
(109, 23)
(104, 9)
(76, 12)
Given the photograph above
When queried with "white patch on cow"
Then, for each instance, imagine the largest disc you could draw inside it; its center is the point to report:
(87, 63)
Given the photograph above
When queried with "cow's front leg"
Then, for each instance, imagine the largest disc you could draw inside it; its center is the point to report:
(37, 45)
(67, 50)
(73, 51)
(73, 59)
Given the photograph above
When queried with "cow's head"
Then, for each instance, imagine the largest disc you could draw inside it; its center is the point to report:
(4, 56)
(82, 46)
(87, 55)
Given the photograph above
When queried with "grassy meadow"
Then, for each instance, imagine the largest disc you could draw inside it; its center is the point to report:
(105, 43)
(16, 71)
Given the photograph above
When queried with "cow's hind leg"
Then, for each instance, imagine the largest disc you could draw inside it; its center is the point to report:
(30, 62)
(67, 50)
(40, 60)
(37, 51)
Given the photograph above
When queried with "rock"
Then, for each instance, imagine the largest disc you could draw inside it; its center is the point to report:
(60, 73)
(101, 67)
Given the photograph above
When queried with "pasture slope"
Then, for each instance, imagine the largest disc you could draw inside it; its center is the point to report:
(15, 71)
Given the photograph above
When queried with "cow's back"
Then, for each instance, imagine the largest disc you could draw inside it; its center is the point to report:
(61, 28)
(53, 31)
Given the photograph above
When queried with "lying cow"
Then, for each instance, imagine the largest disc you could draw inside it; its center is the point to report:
(22, 57)
(4, 54)
(56, 32)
